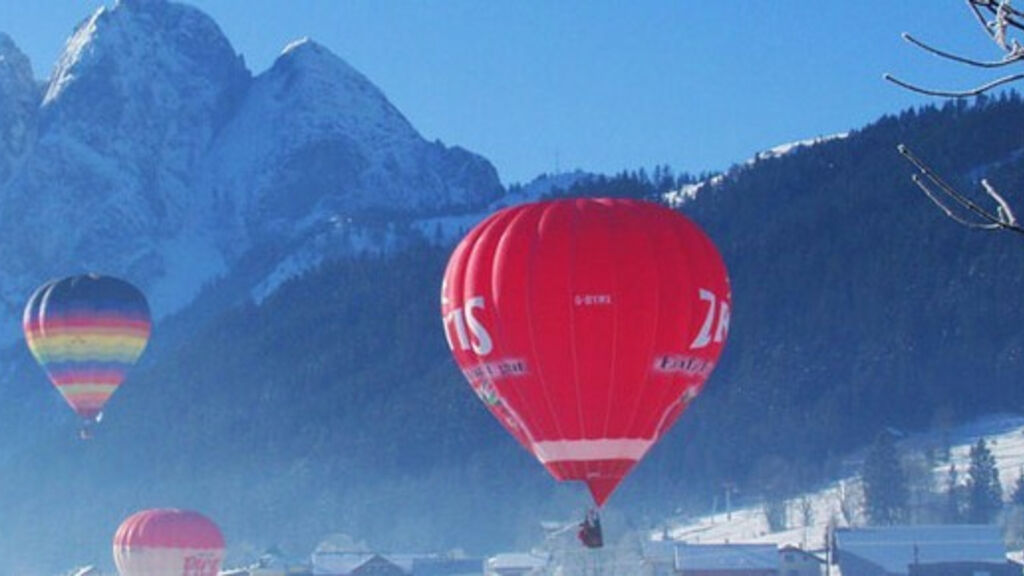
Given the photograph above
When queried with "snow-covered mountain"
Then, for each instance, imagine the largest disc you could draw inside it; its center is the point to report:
(131, 107)
(159, 157)
(311, 124)
(448, 229)
(18, 97)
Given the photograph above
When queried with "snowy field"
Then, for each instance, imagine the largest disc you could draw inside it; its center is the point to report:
(1004, 435)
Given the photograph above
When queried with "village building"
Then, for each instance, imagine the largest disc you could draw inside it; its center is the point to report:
(362, 563)
(795, 561)
(668, 558)
(514, 564)
(658, 558)
(443, 566)
(726, 560)
(922, 550)
(356, 564)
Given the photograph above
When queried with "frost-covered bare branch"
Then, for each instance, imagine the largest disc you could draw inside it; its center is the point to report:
(1003, 18)
(1003, 210)
(958, 207)
(976, 91)
(1000, 21)
(1009, 58)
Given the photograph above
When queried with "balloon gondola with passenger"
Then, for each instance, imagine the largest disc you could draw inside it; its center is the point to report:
(586, 326)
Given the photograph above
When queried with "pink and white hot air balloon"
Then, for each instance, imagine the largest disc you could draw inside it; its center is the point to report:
(168, 542)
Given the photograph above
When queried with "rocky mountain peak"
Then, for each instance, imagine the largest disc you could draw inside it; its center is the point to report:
(318, 83)
(12, 60)
(155, 155)
(315, 139)
(134, 101)
(18, 102)
(137, 42)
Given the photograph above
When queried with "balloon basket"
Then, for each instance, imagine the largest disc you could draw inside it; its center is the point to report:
(590, 534)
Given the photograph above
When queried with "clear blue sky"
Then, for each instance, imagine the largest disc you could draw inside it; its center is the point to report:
(599, 85)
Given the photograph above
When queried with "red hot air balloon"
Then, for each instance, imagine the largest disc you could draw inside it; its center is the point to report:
(586, 326)
(168, 542)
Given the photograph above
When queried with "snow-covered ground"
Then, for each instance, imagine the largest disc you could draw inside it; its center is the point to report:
(1003, 434)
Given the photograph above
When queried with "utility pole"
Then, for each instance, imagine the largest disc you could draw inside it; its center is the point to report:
(729, 487)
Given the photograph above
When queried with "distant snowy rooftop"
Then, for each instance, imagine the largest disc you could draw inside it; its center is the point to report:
(516, 560)
(329, 563)
(894, 547)
(339, 562)
(447, 566)
(726, 557)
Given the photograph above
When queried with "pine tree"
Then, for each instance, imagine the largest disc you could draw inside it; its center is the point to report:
(984, 492)
(1017, 496)
(885, 485)
(954, 497)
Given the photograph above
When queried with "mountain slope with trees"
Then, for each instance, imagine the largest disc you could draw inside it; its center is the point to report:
(333, 404)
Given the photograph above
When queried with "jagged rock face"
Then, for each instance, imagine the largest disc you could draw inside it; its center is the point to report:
(328, 142)
(19, 98)
(154, 154)
(132, 104)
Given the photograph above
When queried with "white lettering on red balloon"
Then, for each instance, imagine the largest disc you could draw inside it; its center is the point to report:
(593, 300)
(470, 333)
(715, 327)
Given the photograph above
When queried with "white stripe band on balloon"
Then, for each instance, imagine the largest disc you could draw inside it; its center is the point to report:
(586, 450)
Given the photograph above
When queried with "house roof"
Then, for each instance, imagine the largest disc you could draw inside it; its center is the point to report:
(447, 566)
(339, 562)
(894, 548)
(726, 557)
(516, 560)
(661, 550)
(379, 565)
(325, 563)
(801, 551)
(403, 560)
(344, 562)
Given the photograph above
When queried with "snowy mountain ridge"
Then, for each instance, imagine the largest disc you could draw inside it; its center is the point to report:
(688, 192)
(790, 147)
(18, 94)
(449, 229)
(154, 154)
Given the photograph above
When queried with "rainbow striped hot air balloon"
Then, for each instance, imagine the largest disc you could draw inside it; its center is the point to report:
(86, 331)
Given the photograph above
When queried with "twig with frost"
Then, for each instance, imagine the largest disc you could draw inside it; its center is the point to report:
(941, 194)
(955, 205)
